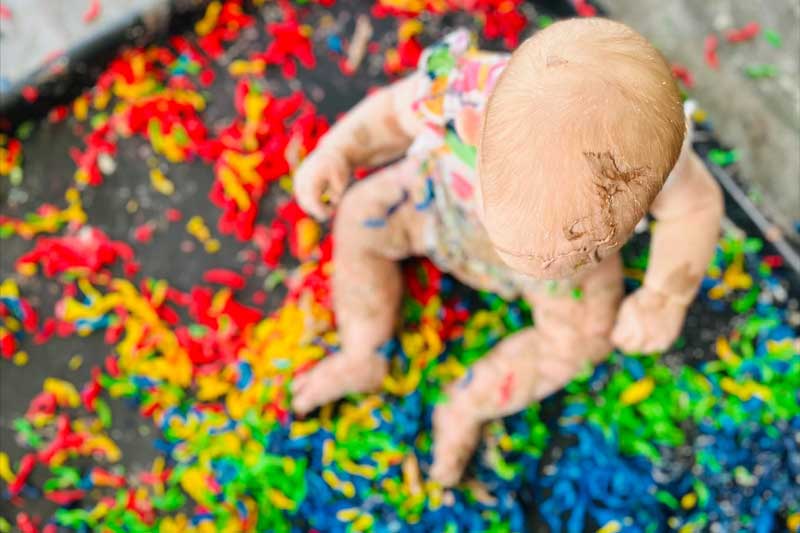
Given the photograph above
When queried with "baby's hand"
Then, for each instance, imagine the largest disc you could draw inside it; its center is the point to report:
(324, 173)
(648, 321)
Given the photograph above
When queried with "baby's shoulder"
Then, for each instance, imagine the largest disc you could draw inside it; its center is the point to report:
(441, 58)
(456, 74)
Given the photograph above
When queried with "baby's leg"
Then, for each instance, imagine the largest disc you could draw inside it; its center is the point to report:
(527, 366)
(376, 226)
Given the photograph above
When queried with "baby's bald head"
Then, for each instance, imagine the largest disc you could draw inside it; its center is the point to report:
(579, 134)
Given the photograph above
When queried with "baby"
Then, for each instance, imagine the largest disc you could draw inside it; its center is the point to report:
(521, 174)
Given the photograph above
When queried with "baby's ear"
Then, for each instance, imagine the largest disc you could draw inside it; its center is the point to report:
(468, 125)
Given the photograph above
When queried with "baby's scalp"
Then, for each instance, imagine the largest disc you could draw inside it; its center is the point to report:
(578, 136)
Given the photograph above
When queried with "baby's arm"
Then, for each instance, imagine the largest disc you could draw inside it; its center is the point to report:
(380, 128)
(688, 212)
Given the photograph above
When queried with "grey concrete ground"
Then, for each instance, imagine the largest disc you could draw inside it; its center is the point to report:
(38, 28)
(761, 118)
(48, 171)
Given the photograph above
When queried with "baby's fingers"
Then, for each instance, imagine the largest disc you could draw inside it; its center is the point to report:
(627, 336)
(661, 341)
(309, 196)
(312, 206)
(336, 188)
(620, 339)
(656, 345)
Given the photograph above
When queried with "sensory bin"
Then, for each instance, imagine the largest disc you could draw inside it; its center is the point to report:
(159, 288)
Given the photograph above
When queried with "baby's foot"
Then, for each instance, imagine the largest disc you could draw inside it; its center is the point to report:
(335, 376)
(456, 430)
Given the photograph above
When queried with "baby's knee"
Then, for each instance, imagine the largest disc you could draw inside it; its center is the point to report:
(592, 315)
(583, 338)
(353, 210)
(600, 323)
(357, 199)
(379, 214)
(599, 310)
(363, 225)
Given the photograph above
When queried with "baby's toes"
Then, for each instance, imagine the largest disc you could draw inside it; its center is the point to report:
(302, 401)
(310, 389)
(454, 439)
(446, 471)
(451, 456)
(299, 382)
